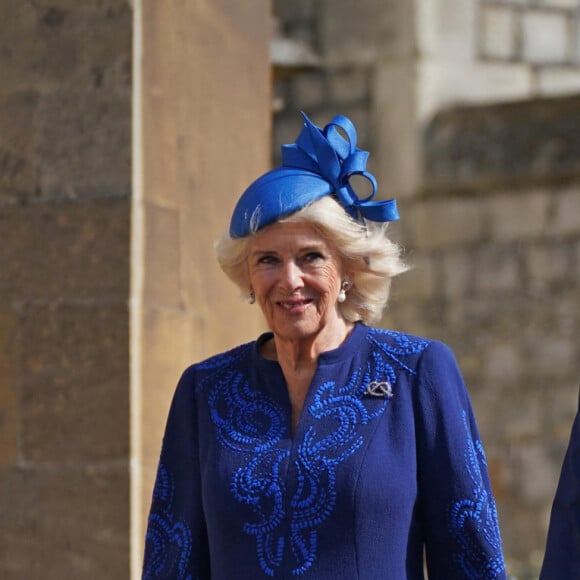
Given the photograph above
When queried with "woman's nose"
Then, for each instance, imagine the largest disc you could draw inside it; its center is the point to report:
(291, 276)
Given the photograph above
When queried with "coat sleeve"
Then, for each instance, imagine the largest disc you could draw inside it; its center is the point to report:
(562, 557)
(176, 542)
(456, 503)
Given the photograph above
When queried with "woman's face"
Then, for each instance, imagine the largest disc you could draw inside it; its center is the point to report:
(296, 277)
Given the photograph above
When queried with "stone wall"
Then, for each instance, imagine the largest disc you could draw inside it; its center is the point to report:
(496, 252)
(65, 181)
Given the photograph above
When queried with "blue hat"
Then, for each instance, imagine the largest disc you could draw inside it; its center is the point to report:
(320, 163)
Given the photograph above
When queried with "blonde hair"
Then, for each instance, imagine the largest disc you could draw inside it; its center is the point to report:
(364, 248)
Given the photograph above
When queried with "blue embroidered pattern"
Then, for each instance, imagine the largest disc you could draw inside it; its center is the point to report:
(474, 518)
(248, 422)
(168, 543)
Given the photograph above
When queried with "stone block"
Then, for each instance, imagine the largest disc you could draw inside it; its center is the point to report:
(560, 406)
(65, 522)
(565, 4)
(426, 33)
(535, 473)
(457, 274)
(545, 37)
(65, 251)
(10, 379)
(420, 282)
(18, 162)
(395, 141)
(502, 364)
(162, 267)
(84, 145)
(518, 217)
(170, 343)
(34, 49)
(406, 315)
(566, 221)
(307, 92)
(511, 141)
(362, 32)
(457, 31)
(558, 81)
(48, 44)
(577, 257)
(497, 269)
(437, 223)
(549, 355)
(295, 10)
(499, 32)
(349, 85)
(443, 87)
(75, 383)
(546, 264)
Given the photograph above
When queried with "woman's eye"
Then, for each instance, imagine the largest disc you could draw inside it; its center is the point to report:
(267, 260)
(313, 256)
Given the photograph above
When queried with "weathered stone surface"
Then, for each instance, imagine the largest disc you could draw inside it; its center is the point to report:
(526, 140)
(162, 284)
(457, 273)
(50, 43)
(18, 161)
(10, 382)
(349, 85)
(394, 136)
(296, 10)
(65, 251)
(65, 522)
(75, 394)
(513, 217)
(172, 340)
(547, 263)
(308, 92)
(419, 282)
(567, 214)
(497, 270)
(436, 223)
(498, 25)
(363, 31)
(84, 145)
(545, 36)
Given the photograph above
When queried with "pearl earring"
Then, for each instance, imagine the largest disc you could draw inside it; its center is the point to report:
(251, 297)
(343, 290)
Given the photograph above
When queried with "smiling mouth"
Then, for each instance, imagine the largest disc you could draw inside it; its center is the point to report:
(295, 305)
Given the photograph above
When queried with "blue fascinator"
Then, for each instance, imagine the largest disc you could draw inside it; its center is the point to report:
(320, 163)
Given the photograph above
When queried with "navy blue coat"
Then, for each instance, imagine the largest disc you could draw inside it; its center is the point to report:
(562, 557)
(386, 465)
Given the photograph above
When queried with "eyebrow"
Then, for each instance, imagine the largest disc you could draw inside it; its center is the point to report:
(318, 247)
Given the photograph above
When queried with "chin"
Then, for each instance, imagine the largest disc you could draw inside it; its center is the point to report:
(295, 331)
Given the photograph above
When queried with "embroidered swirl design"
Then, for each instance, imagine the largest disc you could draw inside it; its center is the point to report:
(248, 422)
(476, 517)
(168, 543)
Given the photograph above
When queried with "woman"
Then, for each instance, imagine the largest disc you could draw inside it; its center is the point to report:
(562, 557)
(326, 448)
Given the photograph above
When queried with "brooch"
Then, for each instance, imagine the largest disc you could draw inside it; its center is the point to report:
(379, 389)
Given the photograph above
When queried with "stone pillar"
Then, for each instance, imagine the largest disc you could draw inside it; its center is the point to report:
(204, 134)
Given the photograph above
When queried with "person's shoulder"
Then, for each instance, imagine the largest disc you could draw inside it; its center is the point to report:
(424, 350)
(219, 361)
(398, 341)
